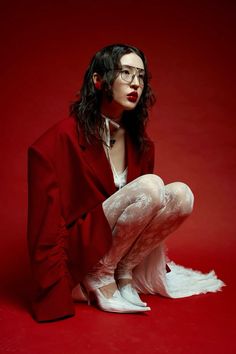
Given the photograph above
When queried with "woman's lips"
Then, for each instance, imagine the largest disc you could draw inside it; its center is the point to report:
(132, 97)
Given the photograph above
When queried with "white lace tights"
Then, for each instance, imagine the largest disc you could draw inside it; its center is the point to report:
(140, 215)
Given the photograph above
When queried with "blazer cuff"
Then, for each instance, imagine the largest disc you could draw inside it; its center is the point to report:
(54, 303)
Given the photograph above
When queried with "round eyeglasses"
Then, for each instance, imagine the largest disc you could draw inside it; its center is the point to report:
(128, 73)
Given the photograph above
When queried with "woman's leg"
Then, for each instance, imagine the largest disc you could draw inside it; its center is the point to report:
(179, 204)
(128, 212)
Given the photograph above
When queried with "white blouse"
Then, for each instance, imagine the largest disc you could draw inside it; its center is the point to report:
(120, 179)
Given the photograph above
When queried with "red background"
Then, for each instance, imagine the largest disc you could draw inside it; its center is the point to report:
(190, 46)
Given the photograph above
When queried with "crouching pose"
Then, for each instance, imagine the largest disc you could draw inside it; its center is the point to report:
(98, 215)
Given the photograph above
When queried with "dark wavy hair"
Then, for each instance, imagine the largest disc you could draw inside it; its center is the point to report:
(86, 109)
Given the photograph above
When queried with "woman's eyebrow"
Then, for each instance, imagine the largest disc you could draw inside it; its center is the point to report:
(133, 67)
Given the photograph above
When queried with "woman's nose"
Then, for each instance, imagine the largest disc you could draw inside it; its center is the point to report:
(135, 81)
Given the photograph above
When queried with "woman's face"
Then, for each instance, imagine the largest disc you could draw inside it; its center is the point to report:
(127, 88)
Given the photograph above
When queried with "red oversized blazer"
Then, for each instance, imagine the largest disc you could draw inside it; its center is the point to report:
(68, 233)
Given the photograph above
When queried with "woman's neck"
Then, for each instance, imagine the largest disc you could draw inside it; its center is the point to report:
(109, 111)
(115, 118)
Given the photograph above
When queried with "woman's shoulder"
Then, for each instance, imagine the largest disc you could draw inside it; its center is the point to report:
(66, 128)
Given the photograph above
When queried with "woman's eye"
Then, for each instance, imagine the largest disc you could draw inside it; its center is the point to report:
(126, 72)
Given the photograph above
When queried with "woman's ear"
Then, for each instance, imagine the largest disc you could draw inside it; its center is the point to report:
(97, 80)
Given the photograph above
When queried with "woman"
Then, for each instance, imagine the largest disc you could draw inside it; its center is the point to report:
(97, 213)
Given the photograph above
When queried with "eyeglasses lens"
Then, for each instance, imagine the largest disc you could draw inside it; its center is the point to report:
(128, 75)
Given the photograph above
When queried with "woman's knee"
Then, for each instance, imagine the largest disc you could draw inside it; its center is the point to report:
(183, 196)
(152, 186)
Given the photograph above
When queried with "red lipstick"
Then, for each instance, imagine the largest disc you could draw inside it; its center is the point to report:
(132, 96)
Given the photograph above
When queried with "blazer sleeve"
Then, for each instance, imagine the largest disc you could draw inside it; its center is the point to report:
(47, 239)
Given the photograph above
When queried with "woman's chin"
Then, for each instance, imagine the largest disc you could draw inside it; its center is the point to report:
(129, 106)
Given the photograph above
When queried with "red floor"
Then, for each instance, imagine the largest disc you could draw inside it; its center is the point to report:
(198, 325)
(46, 47)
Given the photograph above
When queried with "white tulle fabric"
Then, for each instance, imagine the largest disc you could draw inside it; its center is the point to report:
(150, 277)
(141, 215)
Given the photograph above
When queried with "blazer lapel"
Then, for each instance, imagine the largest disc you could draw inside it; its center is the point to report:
(95, 157)
(132, 160)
